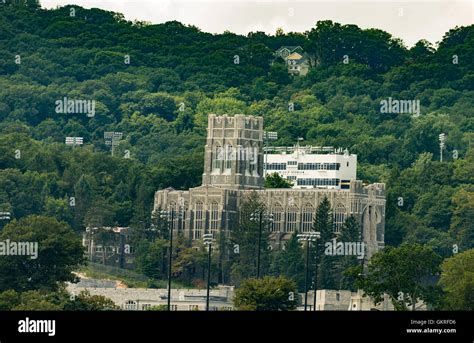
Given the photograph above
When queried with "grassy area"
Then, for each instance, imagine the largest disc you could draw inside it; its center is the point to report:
(128, 277)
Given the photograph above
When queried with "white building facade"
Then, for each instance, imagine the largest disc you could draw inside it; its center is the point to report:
(312, 167)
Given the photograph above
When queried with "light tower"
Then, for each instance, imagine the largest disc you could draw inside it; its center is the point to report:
(442, 141)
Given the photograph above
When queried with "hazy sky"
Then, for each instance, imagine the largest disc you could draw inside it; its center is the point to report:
(409, 20)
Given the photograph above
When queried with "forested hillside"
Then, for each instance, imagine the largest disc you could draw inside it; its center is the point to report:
(158, 83)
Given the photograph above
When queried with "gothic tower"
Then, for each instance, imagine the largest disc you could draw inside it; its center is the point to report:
(233, 155)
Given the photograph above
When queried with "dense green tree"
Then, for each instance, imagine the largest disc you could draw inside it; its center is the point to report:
(324, 224)
(84, 301)
(462, 225)
(267, 294)
(244, 241)
(276, 181)
(290, 262)
(405, 273)
(457, 280)
(350, 232)
(59, 252)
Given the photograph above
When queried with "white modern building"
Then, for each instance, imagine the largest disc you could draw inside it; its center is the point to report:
(312, 167)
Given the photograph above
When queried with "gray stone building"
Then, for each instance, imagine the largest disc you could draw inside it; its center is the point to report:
(233, 167)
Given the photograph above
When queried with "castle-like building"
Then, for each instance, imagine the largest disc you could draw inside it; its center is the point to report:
(233, 168)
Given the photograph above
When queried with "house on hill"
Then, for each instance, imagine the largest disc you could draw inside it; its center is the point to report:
(286, 51)
(296, 60)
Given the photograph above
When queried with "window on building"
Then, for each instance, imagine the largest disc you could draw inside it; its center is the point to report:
(174, 209)
(183, 209)
(252, 157)
(319, 166)
(308, 213)
(218, 157)
(130, 305)
(339, 217)
(277, 212)
(214, 223)
(317, 182)
(229, 156)
(291, 219)
(199, 220)
(275, 166)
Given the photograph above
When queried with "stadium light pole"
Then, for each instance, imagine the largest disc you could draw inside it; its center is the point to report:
(442, 141)
(74, 141)
(112, 139)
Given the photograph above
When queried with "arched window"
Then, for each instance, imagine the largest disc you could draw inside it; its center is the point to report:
(199, 220)
(308, 214)
(339, 217)
(277, 212)
(291, 219)
(214, 222)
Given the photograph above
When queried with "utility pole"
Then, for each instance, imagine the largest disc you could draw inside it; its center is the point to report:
(208, 240)
(169, 216)
(315, 269)
(308, 238)
(260, 216)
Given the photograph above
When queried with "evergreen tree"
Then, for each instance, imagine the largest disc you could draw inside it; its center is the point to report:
(83, 196)
(350, 232)
(324, 224)
(244, 241)
(290, 262)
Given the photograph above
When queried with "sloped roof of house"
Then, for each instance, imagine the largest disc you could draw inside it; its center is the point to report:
(294, 56)
(290, 47)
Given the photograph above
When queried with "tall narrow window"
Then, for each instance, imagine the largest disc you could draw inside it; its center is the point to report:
(339, 217)
(218, 157)
(277, 212)
(183, 209)
(229, 156)
(199, 220)
(174, 209)
(291, 219)
(214, 222)
(308, 213)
